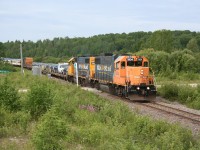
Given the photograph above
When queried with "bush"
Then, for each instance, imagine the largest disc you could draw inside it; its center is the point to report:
(50, 132)
(6, 66)
(9, 96)
(21, 119)
(195, 103)
(184, 94)
(40, 99)
(174, 138)
(169, 91)
(13, 123)
(189, 76)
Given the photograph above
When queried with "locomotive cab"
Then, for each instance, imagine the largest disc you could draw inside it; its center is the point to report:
(132, 78)
(71, 70)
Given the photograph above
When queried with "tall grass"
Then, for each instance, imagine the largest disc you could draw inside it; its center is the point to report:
(40, 99)
(77, 119)
(184, 94)
(6, 66)
(9, 97)
(178, 77)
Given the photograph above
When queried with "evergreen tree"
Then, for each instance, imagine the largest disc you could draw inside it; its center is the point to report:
(2, 50)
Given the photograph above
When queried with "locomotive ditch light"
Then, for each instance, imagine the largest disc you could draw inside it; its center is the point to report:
(141, 71)
(148, 88)
(138, 88)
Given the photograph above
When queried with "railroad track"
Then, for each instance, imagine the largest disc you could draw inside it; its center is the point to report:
(194, 118)
(164, 107)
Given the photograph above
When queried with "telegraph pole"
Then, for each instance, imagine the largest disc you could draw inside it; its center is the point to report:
(77, 74)
(22, 71)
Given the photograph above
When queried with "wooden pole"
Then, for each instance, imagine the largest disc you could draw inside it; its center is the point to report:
(22, 71)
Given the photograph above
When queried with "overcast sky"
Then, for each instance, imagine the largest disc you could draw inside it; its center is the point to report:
(46, 19)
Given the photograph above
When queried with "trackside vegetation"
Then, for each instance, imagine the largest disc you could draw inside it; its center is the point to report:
(184, 94)
(7, 67)
(54, 115)
(176, 65)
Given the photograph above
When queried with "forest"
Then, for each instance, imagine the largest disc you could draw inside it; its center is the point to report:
(168, 51)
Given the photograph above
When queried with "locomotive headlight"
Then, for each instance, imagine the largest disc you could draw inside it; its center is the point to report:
(141, 71)
(148, 88)
(138, 88)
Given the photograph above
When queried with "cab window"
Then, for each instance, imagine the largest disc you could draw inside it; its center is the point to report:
(130, 63)
(146, 64)
(117, 65)
(123, 64)
(138, 63)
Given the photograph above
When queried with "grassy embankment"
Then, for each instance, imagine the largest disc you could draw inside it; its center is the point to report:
(183, 88)
(61, 116)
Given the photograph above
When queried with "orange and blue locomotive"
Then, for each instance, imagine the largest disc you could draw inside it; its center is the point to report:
(125, 75)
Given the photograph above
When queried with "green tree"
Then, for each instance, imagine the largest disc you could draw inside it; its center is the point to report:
(2, 50)
(192, 45)
(162, 40)
(188, 63)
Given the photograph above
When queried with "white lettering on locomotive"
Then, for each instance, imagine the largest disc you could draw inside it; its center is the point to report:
(103, 68)
(83, 66)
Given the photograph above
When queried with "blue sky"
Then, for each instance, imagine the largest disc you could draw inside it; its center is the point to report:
(45, 19)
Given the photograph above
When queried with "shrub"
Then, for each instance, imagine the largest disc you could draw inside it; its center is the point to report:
(176, 138)
(185, 93)
(13, 123)
(195, 103)
(50, 132)
(40, 99)
(116, 114)
(169, 91)
(6, 66)
(9, 97)
(189, 76)
(21, 119)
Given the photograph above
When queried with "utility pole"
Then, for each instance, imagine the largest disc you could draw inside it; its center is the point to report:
(22, 71)
(76, 74)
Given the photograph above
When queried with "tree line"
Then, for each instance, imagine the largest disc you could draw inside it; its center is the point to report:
(177, 50)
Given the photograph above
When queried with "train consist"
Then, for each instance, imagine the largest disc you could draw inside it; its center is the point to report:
(27, 62)
(125, 75)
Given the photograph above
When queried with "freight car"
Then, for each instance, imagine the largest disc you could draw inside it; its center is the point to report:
(127, 76)
(27, 62)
